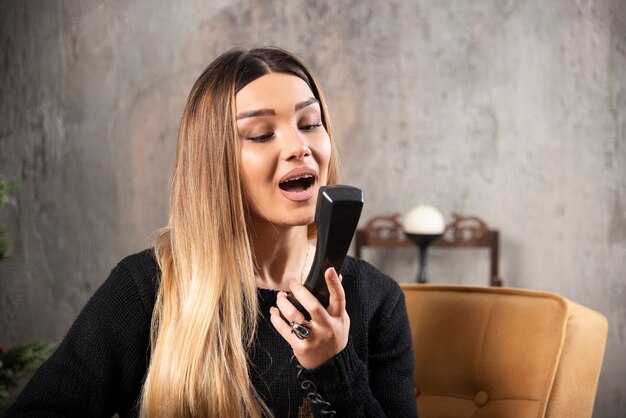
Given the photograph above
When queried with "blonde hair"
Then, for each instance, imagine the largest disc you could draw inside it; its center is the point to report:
(205, 315)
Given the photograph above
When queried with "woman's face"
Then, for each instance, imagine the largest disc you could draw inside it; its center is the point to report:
(284, 151)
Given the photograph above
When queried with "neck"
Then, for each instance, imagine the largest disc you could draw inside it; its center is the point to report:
(281, 255)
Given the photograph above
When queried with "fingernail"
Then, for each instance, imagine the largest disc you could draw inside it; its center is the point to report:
(273, 310)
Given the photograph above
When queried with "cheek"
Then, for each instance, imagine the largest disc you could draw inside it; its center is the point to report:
(323, 157)
(249, 162)
(254, 167)
(247, 167)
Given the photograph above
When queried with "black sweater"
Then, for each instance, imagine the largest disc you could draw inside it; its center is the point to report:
(100, 366)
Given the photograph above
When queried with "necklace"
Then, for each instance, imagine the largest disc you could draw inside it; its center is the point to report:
(306, 258)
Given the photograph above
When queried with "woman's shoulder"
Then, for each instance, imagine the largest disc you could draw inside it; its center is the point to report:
(362, 269)
(142, 263)
(369, 282)
(139, 272)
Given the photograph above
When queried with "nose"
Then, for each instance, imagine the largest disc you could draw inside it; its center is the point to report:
(295, 147)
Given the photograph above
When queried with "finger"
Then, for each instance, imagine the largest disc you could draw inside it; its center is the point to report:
(281, 326)
(337, 296)
(309, 302)
(289, 312)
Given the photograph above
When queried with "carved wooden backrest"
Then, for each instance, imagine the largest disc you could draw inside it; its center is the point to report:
(463, 231)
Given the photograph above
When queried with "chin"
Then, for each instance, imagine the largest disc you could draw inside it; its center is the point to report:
(299, 220)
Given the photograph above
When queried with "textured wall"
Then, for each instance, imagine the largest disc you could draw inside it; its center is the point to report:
(511, 110)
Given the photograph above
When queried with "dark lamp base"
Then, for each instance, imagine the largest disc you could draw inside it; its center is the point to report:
(422, 241)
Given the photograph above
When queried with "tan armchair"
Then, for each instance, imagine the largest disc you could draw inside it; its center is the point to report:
(487, 352)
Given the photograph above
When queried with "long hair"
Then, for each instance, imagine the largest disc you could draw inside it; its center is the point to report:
(205, 315)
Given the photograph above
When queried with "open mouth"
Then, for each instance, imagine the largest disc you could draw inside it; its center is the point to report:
(297, 184)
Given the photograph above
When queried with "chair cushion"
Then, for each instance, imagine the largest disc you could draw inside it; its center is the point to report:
(487, 352)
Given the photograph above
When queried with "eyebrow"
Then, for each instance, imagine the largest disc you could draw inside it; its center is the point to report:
(306, 103)
(258, 112)
(271, 112)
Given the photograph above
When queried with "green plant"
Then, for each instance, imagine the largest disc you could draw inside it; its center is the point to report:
(5, 186)
(20, 361)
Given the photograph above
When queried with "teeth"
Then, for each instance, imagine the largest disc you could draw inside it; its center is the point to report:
(304, 176)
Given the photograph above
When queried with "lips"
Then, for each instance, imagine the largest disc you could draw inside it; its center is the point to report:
(297, 185)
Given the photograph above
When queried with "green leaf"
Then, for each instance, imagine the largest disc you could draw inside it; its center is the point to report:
(20, 361)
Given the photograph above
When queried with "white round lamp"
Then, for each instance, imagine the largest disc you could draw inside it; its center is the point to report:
(423, 225)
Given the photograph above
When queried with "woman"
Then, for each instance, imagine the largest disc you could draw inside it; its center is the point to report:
(198, 325)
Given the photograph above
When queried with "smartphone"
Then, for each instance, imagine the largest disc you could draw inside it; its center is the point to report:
(337, 215)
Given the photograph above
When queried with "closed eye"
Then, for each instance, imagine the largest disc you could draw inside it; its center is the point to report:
(261, 138)
(308, 128)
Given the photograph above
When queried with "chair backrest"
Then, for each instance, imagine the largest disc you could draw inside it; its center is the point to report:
(462, 232)
(487, 352)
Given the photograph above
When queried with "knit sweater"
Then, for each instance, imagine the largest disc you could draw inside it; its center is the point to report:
(100, 366)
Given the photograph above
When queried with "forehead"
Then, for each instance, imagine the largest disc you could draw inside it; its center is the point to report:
(273, 91)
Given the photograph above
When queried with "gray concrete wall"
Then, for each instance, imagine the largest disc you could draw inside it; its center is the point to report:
(511, 110)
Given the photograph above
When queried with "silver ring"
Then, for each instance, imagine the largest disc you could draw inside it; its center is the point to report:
(302, 330)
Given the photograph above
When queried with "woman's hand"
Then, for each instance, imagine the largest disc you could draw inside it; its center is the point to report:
(329, 327)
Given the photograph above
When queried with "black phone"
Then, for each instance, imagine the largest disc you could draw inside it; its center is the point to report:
(336, 216)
